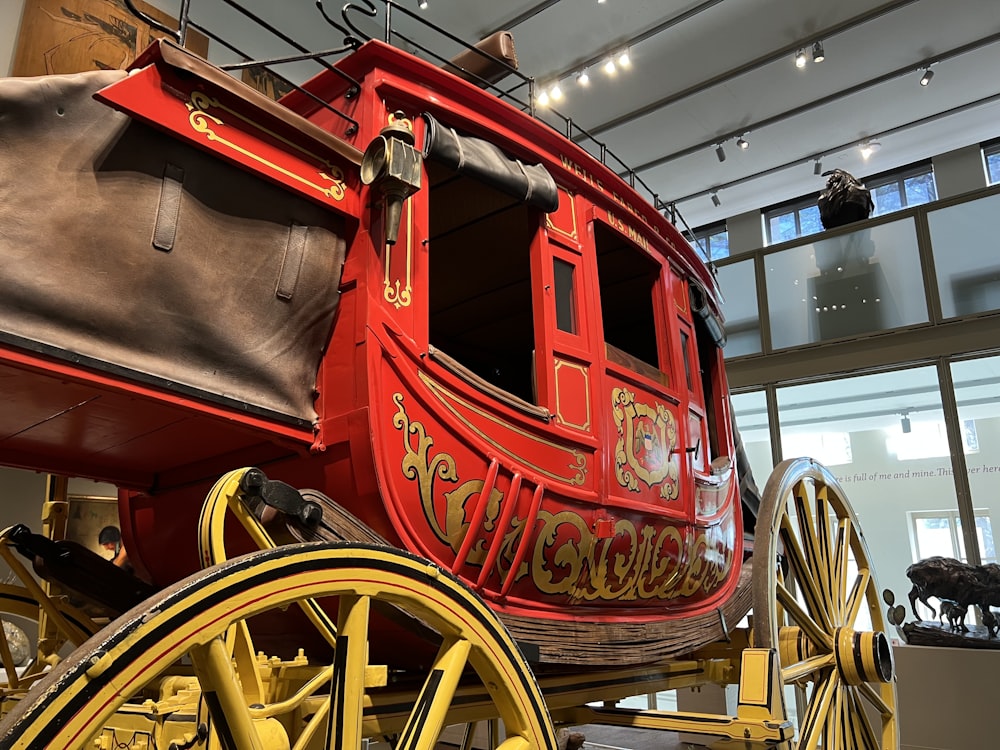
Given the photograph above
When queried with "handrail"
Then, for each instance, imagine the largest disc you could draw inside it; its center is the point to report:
(354, 36)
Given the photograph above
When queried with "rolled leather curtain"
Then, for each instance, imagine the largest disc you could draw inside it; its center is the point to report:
(480, 159)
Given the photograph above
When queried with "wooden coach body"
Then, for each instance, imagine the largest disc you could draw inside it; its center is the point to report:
(524, 388)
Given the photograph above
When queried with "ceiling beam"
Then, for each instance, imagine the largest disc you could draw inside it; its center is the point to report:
(747, 67)
(520, 18)
(638, 38)
(823, 101)
(850, 144)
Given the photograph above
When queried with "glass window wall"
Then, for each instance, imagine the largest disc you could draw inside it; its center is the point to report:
(750, 414)
(856, 283)
(738, 282)
(963, 239)
(863, 429)
(977, 383)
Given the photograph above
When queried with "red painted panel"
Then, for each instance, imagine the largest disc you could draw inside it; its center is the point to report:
(235, 128)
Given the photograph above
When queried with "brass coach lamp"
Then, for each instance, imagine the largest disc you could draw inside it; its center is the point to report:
(392, 165)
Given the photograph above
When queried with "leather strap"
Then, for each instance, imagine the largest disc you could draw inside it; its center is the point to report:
(169, 208)
(291, 264)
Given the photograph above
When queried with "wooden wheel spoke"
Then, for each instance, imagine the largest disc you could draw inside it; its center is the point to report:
(812, 727)
(803, 577)
(826, 566)
(834, 735)
(343, 729)
(857, 596)
(815, 574)
(864, 735)
(842, 551)
(875, 699)
(424, 725)
(806, 667)
(224, 697)
(820, 636)
(7, 658)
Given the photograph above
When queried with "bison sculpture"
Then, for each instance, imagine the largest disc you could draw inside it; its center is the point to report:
(954, 581)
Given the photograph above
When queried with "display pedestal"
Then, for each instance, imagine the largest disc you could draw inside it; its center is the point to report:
(947, 697)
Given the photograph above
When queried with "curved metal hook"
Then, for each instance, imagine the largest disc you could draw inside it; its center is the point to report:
(349, 39)
(369, 10)
(146, 18)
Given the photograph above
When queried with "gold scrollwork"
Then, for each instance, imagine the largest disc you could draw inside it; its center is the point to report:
(418, 465)
(634, 564)
(567, 559)
(391, 288)
(647, 437)
(198, 105)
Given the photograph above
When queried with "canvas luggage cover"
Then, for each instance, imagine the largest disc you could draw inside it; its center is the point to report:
(128, 250)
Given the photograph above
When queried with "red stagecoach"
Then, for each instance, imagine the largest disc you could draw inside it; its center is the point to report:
(435, 325)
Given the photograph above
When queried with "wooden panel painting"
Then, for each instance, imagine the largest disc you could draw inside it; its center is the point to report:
(70, 36)
(87, 516)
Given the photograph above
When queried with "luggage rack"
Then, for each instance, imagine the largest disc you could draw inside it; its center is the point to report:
(355, 36)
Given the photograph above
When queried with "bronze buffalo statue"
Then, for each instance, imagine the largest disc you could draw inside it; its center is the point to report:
(954, 581)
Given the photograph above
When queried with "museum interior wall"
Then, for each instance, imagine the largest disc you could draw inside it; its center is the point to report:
(10, 21)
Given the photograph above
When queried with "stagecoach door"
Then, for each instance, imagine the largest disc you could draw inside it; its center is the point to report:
(643, 394)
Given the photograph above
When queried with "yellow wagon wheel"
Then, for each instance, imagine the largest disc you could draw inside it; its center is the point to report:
(70, 706)
(19, 606)
(816, 602)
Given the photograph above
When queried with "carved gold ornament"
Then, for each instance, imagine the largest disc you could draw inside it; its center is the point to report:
(647, 437)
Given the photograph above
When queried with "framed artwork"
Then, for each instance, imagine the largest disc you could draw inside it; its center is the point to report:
(88, 514)
(71, 36)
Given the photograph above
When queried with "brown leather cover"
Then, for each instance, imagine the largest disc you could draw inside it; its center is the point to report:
(478, 68)
(136, 251)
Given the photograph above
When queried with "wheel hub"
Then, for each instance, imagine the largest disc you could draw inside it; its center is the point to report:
(863, 656)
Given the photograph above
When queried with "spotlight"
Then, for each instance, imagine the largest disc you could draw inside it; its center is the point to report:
(800, 59)
(868, 148)
(583, 77)
(715, 199)
(904, 422)
(543, 98)
(555, 93)
(624, 60)
(720, 152)
(818, 167)
(818, 54)
(422, 4)
(926, 77)
(743, 143)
